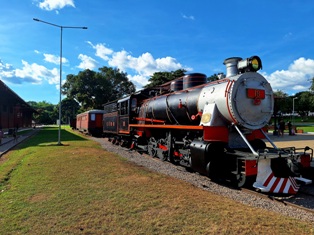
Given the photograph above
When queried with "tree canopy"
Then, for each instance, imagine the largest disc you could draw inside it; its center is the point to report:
(159, 78)
(304, 103)
(93, 89)
(212, 78)
(46, 112)
(312, 85)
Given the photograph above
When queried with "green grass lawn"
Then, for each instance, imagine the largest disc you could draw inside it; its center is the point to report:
(306, 128)
(80, 188)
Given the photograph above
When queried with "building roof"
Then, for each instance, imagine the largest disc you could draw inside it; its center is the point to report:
(13, 97)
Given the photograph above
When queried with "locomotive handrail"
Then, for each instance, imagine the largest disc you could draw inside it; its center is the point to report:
(246, 141)
(149, 120)
(169, 110)
(269, 140)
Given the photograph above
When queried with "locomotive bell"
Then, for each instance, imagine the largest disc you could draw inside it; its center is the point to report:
(232, 66)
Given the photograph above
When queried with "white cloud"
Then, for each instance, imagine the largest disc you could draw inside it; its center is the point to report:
(304, 65)
(188, 17)
(31, 73)
(138, 80)
(142, 66)
(87, 62)
(54, 59)
(120, 59)
(38, 73)
(101, 50)
(296, 78)
(51, 5)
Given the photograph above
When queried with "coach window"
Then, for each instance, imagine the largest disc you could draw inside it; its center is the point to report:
(93, 117)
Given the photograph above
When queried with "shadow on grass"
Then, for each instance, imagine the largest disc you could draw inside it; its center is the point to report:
(48, 136)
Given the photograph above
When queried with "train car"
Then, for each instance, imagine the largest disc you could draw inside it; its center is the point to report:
(213, 128)
(90, 122)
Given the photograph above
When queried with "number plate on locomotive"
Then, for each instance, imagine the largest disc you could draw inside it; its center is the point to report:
(255, 93)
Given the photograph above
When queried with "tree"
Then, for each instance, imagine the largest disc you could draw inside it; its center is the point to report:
(69, 109)
(118, 81)
(312, 85)
(93, 89)
(282, 103)
(304, 103)
(160, 78)
(46, 113)
(212, 78)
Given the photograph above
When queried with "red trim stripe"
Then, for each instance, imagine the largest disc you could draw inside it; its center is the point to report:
(283, 185)
(268, 179)
(273, 187)
(227, 98)
(294, 183)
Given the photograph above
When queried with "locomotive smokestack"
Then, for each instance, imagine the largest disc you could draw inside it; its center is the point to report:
(232, 66)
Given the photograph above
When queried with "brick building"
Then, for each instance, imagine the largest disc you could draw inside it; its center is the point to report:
(14, 111)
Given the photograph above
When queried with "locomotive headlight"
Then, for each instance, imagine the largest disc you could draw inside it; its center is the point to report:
(251, 64)
(255, 64)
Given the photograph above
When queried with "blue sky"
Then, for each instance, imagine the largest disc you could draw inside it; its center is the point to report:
(141, 37)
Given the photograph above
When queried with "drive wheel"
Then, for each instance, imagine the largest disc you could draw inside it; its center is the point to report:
(151, 148)
(240, 180)
(162, 152)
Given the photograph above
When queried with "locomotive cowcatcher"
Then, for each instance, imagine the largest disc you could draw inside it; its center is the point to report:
(213, 128)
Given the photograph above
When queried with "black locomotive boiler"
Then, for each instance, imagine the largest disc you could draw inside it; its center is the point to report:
(213, 128)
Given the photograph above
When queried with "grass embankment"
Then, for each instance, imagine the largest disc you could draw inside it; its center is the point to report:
(79, 188)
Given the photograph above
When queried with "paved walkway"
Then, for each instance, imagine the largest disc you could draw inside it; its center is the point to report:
(8, 142)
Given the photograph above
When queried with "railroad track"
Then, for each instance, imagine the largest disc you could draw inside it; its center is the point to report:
(303, 200)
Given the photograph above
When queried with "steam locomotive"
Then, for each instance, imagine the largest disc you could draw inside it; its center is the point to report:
(213, 128)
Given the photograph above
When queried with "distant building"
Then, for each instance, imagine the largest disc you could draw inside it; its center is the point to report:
(14, 111)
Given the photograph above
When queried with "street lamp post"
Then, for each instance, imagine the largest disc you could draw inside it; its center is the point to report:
(61, 30)
(295, 98)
